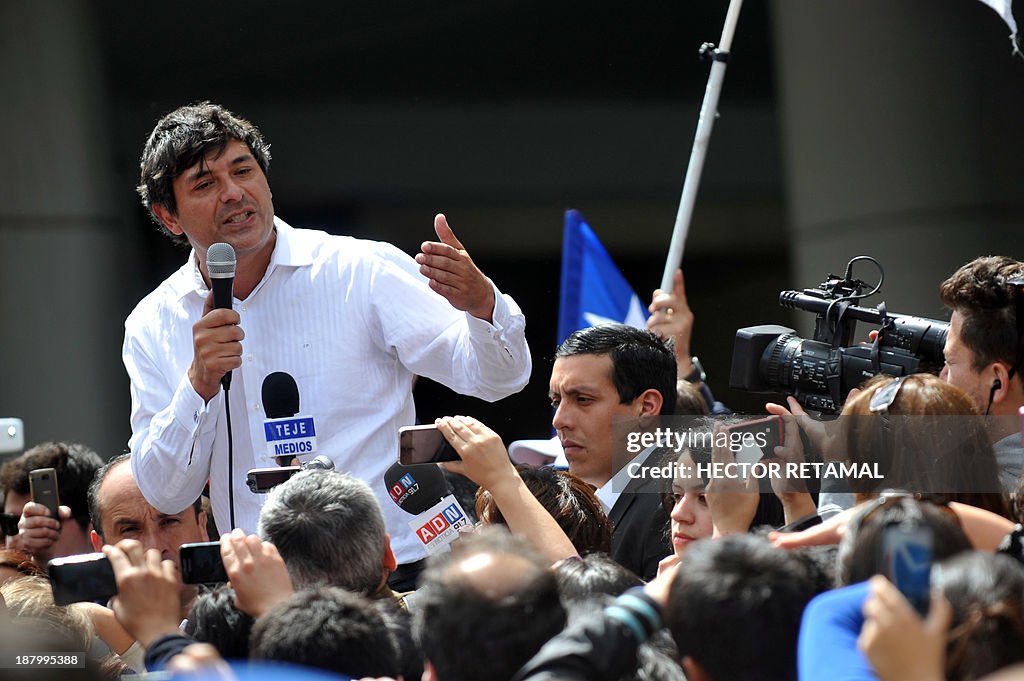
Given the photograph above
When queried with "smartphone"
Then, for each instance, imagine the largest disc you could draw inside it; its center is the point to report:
(907, 552)
(12, 435)
(42, 483)
(764, 433)
(261, 480)
(201, 563)
(423, 444)
(86, 577)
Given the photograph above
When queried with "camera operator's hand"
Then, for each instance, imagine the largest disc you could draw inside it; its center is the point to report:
(256, 572)
(897, 642)
(148, 601)
(671, 317)
(732, 501)
(38, 533)
(485, 461)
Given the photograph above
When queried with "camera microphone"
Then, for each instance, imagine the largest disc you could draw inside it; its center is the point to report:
(422, 491)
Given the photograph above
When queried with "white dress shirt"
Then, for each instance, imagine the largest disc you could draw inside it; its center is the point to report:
(352, 321)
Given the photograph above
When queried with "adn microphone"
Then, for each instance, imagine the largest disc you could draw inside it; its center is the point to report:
(288, 433)
(220, 262)
(422, 491)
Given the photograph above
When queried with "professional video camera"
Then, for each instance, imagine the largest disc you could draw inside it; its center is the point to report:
(820, 373)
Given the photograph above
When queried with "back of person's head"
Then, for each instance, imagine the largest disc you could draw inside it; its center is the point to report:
(987, 594)
(399, 624)
(328, 628)
(75, 465)
(569, 500)
(215, 619)
(329, 529)
(979, 291)
(486, 607)
(183, 138)
(597, 573)
(31, 598)
(15, 564)
(734, 609)
(640, 360)
(689, 401)
(929, 439)
(820, 563)
(861, 550)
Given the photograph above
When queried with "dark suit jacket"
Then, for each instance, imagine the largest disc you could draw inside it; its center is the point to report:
(641, 534)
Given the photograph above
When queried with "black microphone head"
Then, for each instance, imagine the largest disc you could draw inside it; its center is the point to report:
(280, 395)
(220, 261)
(415, 488)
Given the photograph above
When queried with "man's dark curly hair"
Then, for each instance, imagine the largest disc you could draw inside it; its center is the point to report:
(979, 291)
(183, 138)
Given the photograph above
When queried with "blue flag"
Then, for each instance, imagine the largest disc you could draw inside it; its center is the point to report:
(593, 290)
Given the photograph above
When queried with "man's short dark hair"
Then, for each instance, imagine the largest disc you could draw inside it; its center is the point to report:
(75, 465)
(215, 619)
(95, 512)
(329, 529)
(640, 360)
(735, 608)
(980, 292)
(502, 612)
(329, 628)
(185, 137)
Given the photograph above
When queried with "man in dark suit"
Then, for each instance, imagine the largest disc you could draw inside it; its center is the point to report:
(616, 374)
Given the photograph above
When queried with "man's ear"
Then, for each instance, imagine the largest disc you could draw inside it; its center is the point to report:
(96, 539)
(201, 519)
(650, 402)
(390, 562)
(168, 218)
(428, 671)
(1000, 382)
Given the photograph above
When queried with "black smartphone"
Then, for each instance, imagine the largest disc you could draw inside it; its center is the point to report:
(907, 553)
(42, 483)
(86, 577)
(261, 480)
(766, 433)
(201, 563)
(423, 444)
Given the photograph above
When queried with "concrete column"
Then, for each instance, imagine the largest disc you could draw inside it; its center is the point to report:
(61, 327)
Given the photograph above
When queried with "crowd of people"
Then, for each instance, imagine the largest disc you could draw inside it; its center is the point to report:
(595, 571)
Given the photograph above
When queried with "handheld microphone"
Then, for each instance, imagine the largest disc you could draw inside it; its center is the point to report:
(288, 433)
(422, 491)
(220, 262)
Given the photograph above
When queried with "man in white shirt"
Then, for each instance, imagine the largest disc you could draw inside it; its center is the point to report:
(351, 320)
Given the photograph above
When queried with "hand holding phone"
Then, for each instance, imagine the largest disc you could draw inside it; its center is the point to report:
(765, 433)
(423, 444)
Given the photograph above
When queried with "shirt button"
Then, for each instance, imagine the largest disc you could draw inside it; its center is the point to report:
(249, 358)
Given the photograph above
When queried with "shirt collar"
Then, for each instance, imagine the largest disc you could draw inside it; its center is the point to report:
(290, 250)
